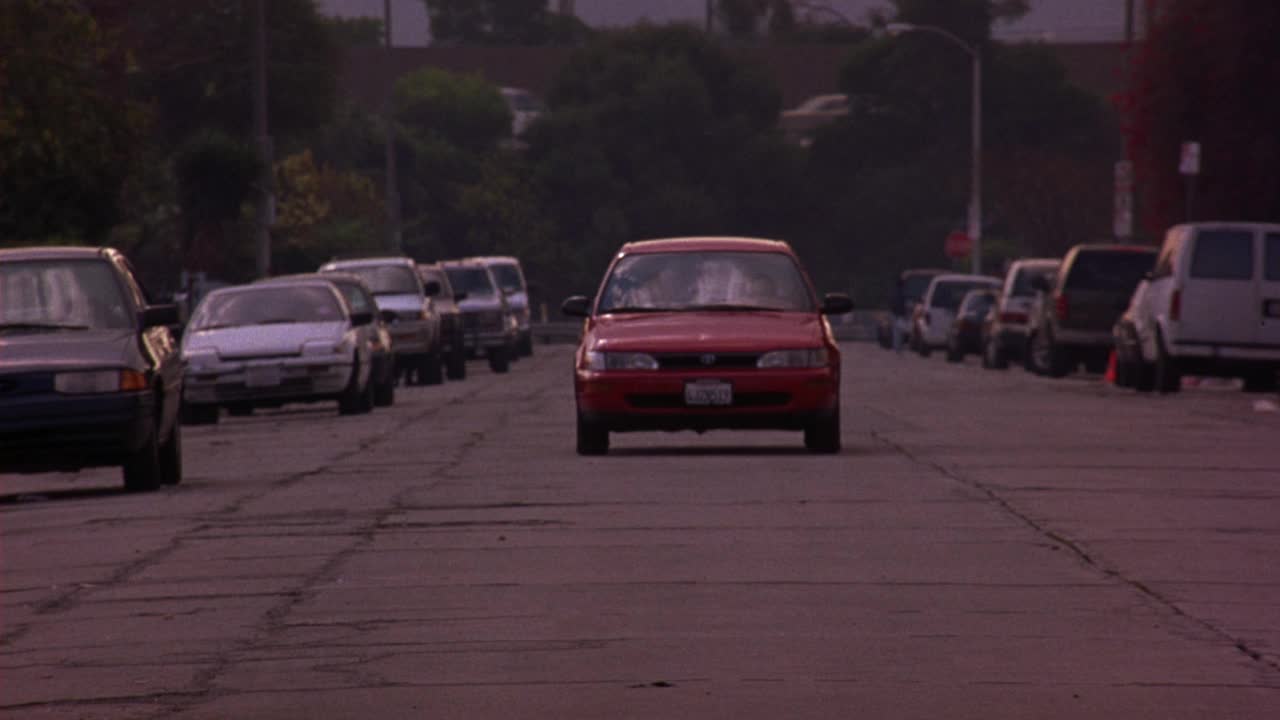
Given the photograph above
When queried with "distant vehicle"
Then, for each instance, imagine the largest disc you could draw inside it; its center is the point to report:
(1210, 307)
(908, 289)
(800, 123)
(935, 312)
(707, 333)
(525, 108)
(1005, 336)
(90, 375)
(490, 327)
(510, 276)
(965, 335)
(265, 345)
(451, 328)
(1074, 313)
(415, 329)
(360, 301)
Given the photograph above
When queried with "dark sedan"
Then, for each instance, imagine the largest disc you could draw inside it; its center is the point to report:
(89, 371)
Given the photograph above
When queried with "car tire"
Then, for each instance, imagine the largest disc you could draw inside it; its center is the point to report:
(171, 457)
(1168, 378)
(1050, 359)
(142, 472)
(1124, 369)
(499, 359)
(823, 435)
(993, 357)
(384, 393)
(593, 438)
(430, 369)
(199, 414)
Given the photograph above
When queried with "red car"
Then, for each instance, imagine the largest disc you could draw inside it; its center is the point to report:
(707, 333)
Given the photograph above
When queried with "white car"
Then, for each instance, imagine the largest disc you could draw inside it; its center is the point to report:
(1211, 307)
(932, 318)
(1007, 334)
(525, 108)
(800, 124)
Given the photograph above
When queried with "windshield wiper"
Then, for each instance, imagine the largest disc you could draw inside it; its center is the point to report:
(41, 326)
(278, 321)
(637, 309)
(730, 307)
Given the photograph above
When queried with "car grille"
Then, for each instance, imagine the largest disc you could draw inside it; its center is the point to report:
(670, 401)
(227, 392)
(709, 361)
(486, 320)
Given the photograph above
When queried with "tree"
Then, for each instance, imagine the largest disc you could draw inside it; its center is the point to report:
(215, 174)
(356, 31)
(1199, 75)
(500, 22)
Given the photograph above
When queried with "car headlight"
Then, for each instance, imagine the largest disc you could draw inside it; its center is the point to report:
(620, 361)
(99, 381)
(810, 358)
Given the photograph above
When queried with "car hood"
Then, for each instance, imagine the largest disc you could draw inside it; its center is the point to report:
(711, 331)
(478, 304)
(260, 340)
(518, 300)
(400, 303)
(67, 350)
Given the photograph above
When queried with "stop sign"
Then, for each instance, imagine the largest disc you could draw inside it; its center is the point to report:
(958, 244)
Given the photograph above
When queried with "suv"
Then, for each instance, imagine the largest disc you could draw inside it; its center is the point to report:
(510, 277)
(90, 374)
(1005, 335)
(489, 325)
(907, 291)
(415, 327)
(446, 304)
(1210, 307)
(932, 318)
(1073, 315)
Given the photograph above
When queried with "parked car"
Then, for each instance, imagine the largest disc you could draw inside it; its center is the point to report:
(908, 289)
(933, 315)
(965, 335)
(360, 301)
(525, 109)
(509, 274)
(1072, 317)
(90, 375)
(1005, 332)
(801, 123)
(490, 326)
(415, 329)
(265, 345)
(451, 329)
(1210, 307)
(707, 333)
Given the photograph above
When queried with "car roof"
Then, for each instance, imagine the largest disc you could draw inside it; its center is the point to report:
(1035, 262)
(275, 283)
(463, 262)
(962, 277)
(371, 261)
(496, 259)
(54, 252)
(328, 276)
(1230, 225)
(1111, 247)
(706, 244)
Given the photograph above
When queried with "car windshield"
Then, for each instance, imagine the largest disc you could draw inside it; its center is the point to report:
(268, 306)
(508, 277)
(473, 281)
(1109, 271)
(1023, 279)
(947, 295)
(50, 295)
(706, 281)
(387, 279)
(914, 287)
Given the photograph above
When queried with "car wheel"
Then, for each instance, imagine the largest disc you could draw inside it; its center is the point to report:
(1124, 368)
(1168, 379)
(368, 398)
(1260, 382)
(593, 439)
(823, 436)
(456, 366)
(1050, 359)
(142, 472)
(499, 359)
(171, 457)
(199, 414)
(430, 369)
(240, 410)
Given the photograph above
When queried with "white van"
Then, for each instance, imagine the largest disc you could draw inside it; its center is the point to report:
(932, 318)
(1211, 307)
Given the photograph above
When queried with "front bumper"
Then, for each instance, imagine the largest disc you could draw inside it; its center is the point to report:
(301, 379)
(48, 432)
(780, 399)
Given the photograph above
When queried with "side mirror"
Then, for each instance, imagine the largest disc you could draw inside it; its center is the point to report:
(576, 306)
(431, 288)
(836, 304)
(460, 296)
(361, 318)
(1040, 283)
(387, 316)
(157, 315)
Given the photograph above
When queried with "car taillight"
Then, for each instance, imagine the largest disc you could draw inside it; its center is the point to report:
(1175, 306)
(1062, 306)
(1013, 317)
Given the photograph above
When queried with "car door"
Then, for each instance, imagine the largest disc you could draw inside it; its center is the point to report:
(1267, 301)
(1218, 303)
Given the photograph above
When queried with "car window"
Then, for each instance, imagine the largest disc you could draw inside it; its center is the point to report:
(914, 287)
(474, 281)
(508, 277)
(1273, 256)
(387, 279)
(698, 280)
(432, 274)
(1108, 271)
(1026, 274)
(948, 294)
(359, 301)
(978, 304)
(267, 306)
(1223, 255)
(61, 294)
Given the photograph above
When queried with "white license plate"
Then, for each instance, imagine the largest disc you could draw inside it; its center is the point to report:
(262, 376)
(715, 393)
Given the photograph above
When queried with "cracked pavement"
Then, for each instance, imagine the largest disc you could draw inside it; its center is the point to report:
(989, 545)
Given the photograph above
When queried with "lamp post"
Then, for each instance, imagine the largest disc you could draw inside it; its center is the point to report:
(975, 181)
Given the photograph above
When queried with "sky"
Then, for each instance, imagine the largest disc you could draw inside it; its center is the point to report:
(1052, 20)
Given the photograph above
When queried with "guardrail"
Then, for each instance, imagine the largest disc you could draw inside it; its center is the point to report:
(857, 326)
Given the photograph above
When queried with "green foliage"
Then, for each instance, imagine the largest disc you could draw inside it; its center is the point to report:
(501, 22)
(356, 31)
(215, 174)
(464, 111)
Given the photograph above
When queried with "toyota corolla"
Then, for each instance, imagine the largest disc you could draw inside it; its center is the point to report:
(703, 334)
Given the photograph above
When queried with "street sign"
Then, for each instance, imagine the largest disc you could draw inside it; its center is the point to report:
(1122, 219)
(1189, 162)
(958, 244)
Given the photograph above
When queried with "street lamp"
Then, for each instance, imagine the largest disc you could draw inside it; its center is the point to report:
(975, 182)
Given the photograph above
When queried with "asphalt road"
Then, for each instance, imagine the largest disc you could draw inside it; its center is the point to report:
(989, 545)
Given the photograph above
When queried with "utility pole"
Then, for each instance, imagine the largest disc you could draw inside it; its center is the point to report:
(394, 239)
(1128, 21)
(711, 16)
(266, 198)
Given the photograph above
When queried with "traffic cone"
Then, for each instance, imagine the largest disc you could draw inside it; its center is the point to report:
(1110, 376)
